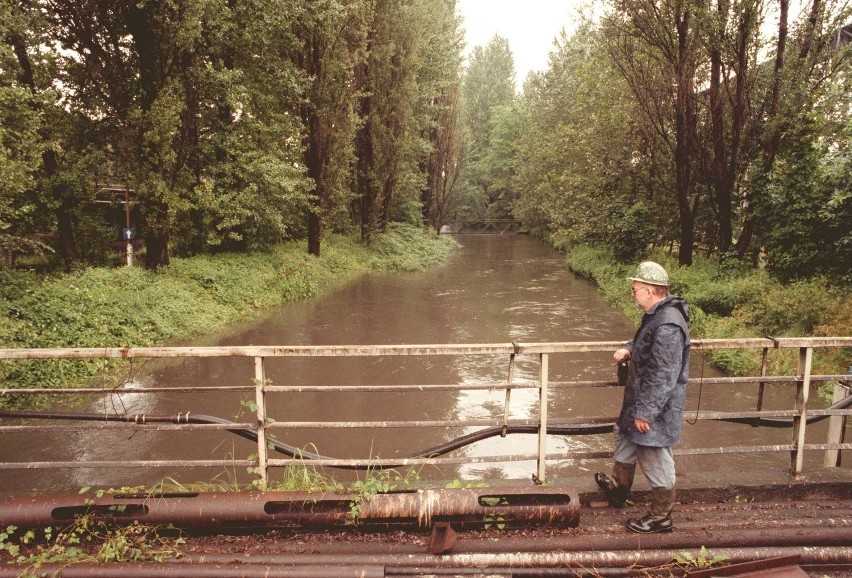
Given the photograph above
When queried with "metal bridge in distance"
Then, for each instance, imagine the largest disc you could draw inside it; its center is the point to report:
(482, 227)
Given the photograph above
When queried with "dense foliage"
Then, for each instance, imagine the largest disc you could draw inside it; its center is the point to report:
(711, 128)
(729, 300)
(212, 126)
(488, 94)
(216, 126)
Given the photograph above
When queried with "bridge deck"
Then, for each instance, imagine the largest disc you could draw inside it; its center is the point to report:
(745, 521)
(808, 523)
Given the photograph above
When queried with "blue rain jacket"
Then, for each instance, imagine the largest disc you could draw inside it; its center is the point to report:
(658, 372)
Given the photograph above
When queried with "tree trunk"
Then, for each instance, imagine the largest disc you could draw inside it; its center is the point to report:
(140, 24)
(314, 233)
(156, 214)
(773, 143)
(684, 142)
(721, 180)
(67, 247)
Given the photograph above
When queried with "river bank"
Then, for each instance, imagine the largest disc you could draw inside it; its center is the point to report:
(732, 300)
(100, 307)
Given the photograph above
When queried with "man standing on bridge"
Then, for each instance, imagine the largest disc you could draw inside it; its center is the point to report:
(652, 411)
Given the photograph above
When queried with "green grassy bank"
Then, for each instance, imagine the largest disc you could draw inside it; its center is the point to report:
(732, 300)
(129, 306)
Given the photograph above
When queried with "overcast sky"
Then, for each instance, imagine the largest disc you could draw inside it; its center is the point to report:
(529, 25)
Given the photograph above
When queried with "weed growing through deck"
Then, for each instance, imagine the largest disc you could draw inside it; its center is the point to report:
(703, 560)
(375, 482)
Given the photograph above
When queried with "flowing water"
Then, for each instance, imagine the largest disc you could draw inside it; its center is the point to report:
(496, 289)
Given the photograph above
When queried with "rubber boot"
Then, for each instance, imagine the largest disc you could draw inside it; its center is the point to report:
(623, 475)
(659, 520)
(618, 486)
(662, 501)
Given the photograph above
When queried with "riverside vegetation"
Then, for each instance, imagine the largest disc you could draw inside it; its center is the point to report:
(731, 300)
(122, 307)
(131, 306)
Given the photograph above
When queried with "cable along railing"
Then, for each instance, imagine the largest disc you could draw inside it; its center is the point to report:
(263, 427)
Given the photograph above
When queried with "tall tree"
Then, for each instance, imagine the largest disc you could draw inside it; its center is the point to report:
(333, 43)
(388, 81)
(733, 44)
(130, 70)
(27, 36)
(583, 159)
(797, 83)
(657, 49)
(439, 113)
(249, 188)
(489, 82)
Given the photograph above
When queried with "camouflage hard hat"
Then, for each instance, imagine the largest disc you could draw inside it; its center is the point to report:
(651, 273)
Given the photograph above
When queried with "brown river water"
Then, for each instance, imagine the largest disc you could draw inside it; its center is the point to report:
(495, 289)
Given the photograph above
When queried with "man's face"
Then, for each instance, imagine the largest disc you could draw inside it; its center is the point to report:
(641, 295)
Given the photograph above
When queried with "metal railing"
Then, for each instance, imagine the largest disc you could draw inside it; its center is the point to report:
(263, 427)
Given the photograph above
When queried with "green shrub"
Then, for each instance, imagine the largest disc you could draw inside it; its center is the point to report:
(598, 265)
(398, 251)
(716, 290)
(729, 299)
(790, 310)
(129, 306)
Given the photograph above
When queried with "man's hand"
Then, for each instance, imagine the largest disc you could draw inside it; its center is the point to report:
(621, 355)
(642, 426)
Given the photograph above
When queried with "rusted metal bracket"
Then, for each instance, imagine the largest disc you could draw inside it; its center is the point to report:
(443, 538)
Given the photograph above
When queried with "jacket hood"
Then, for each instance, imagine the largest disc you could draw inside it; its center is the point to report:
(676, 302)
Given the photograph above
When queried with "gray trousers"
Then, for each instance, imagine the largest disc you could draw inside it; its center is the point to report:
(657, 463)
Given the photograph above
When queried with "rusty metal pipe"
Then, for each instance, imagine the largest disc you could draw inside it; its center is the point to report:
(258, 571)
(518, 563)
(552, 559)
(197, 570)
(418, 508)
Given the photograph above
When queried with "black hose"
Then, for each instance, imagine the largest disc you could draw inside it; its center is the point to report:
(787, 421)
(295, 452)
(441, 449)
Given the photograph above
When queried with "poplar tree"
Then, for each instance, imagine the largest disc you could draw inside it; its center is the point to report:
(438, 113)
(489, 82)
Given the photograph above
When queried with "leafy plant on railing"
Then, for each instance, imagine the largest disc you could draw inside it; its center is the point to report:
(703, 560)
(258, 483)
(375, 482)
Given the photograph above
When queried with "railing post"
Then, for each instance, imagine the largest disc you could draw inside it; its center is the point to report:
(260, 402)
(803, 387)
(762, 385)
(836, 425)
(542, 422)
(509, 379)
